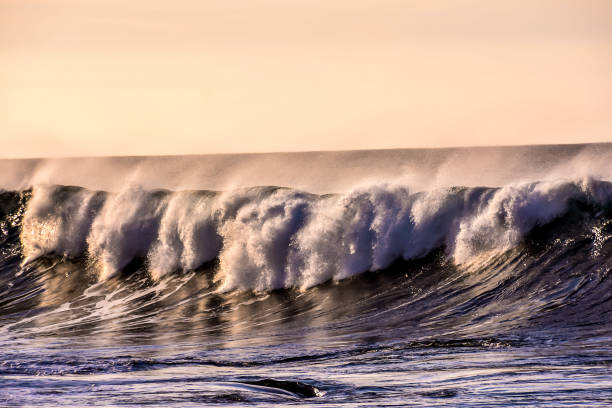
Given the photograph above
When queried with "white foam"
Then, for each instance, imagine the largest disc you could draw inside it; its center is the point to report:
(269, 238)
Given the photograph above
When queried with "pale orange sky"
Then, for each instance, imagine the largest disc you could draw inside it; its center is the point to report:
(115, 77)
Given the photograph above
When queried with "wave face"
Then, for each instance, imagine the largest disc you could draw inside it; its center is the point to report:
(266, 295)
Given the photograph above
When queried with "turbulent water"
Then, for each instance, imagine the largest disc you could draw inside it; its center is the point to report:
(414, 289)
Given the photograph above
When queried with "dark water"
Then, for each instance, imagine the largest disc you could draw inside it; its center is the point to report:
(467, 297)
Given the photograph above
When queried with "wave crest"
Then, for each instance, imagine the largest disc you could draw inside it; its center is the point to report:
(270, 238)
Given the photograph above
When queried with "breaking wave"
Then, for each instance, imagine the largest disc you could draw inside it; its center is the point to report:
(265, 238)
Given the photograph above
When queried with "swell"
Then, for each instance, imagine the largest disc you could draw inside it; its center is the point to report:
(266, 238)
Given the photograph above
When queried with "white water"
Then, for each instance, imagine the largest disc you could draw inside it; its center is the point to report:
(268, 238)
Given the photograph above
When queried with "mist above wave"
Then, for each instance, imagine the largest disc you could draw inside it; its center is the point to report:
(319, 172)
(269, 237)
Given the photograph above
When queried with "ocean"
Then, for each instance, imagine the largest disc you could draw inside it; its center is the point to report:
(457, 277)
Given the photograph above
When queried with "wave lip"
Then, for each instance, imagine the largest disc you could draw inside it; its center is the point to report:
(270, 238)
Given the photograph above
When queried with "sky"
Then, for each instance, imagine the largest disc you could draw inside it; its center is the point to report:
(150, 77)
